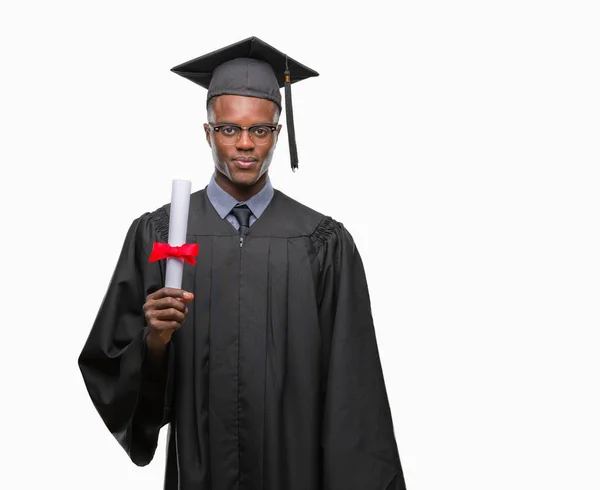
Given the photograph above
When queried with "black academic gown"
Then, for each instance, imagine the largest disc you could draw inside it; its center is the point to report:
(274, 380)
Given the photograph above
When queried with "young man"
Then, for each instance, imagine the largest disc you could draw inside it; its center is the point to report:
(265, 364)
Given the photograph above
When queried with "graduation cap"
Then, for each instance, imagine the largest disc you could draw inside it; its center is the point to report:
(250, 68)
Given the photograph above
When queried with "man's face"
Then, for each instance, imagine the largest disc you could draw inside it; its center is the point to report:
(245, 162)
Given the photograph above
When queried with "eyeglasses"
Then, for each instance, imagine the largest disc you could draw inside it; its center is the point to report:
(230, 134)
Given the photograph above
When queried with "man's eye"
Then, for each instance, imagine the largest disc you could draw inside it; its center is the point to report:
(229, 130)
(261, 131)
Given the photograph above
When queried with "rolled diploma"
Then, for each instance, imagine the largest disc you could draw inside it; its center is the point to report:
(180, 208)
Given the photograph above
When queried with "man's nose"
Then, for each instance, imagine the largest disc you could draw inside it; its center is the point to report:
(245, 142)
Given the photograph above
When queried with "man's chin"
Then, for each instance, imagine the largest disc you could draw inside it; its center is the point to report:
(245, 177)
(242, 177)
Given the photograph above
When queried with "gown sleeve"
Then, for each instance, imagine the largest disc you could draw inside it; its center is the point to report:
(132, 396)
(359, 450)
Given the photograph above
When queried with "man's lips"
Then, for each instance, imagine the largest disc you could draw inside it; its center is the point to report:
(245, 162)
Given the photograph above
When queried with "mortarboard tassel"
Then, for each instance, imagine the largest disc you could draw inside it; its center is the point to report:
(289, 116)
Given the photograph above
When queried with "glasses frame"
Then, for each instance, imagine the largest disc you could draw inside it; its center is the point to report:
(217, 127)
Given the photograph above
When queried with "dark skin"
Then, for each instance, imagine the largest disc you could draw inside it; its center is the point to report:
(165, 312)
(165, 309)
(243, 111)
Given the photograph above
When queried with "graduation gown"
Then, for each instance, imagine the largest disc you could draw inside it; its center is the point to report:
(273, 381)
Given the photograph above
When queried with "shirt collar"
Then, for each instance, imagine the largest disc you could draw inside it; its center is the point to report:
(224, 203)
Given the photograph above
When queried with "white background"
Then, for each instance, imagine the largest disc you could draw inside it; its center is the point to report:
(457, 141)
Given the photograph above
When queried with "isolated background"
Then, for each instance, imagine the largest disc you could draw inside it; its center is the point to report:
(457, 141)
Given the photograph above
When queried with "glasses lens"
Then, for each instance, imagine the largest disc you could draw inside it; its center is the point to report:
(229, 135)
(261, 135)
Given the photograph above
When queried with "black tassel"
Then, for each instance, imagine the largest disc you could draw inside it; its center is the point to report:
(289, 116)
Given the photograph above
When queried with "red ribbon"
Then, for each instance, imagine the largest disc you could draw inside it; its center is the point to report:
(187, 252)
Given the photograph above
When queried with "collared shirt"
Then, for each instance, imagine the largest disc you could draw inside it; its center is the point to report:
(224, 203)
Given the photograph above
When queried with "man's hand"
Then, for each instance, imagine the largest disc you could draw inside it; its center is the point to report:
(165, 311)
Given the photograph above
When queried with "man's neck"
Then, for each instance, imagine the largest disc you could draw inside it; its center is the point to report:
(240, 193)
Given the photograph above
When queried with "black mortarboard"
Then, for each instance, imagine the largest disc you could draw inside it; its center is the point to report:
(251, 68)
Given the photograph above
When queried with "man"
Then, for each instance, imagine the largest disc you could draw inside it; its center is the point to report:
(265, 364)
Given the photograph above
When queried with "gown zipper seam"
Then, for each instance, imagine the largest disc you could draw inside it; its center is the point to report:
(238, 367)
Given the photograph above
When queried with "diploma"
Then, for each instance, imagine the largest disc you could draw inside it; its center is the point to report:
(180, 208)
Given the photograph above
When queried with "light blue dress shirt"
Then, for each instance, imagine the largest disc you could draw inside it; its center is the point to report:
(224, 203)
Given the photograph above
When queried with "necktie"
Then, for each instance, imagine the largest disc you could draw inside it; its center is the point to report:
(242, 214)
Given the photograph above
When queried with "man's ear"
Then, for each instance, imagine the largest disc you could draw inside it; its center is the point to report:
(278, 129)
(207, 132)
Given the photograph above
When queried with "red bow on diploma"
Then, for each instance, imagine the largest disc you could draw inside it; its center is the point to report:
(187, 252)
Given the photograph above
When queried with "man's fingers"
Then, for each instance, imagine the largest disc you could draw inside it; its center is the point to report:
(171, 292)
(167, 314)
(165, 303)
(162, 304)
